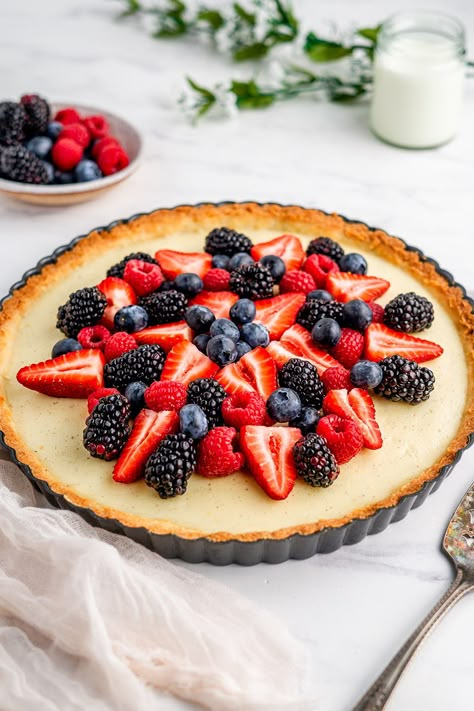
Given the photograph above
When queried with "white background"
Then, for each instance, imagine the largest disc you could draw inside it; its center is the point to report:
(356, 606)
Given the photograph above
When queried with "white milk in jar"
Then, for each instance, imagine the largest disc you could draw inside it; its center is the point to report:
(419, 73)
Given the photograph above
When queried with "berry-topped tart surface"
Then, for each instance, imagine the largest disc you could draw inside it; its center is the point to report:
(237, 382)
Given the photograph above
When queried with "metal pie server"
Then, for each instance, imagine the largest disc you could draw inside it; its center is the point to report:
(459, 545)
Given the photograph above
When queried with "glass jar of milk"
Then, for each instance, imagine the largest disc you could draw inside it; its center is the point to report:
(419, 70)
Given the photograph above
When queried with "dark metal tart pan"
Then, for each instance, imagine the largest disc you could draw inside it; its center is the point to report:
(244, 552)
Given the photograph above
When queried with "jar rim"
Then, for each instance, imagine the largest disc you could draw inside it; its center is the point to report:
(426, 21)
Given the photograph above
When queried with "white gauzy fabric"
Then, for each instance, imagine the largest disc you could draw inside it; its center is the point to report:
(92, 620)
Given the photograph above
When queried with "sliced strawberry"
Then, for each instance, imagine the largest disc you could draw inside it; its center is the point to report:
(345, 286)
(118, 294)
(148, 430)
(75, 374)
(279, 313)
(382, 342)
(173, 263)
(319, 266)
(288, 247)
(255, 371)
(167, 335)
(357, 405)
(282, 352)
(218, 301)
(269, 455)
(299, 339)
(185, 363)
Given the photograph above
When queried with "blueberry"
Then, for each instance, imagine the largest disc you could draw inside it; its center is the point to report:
(221, 350)
(199, 318)
(319, 295)
(61, 178)
(134, 392)
(167, 285)
(54, 129)
(40, 146)
(188, 284)
(306, 420)
(193, 421)
(284, 405)
(131, 319)
(357, 314)
(225, 327)
(276, 265)
(65, 345)
(255, 334)
(50, 170)
(326, 332)
(220, 261)
(242, 349)
(87, 170)
(354, 263)
(243, 311)
(366, 374)
(201, 341)
(239, 259)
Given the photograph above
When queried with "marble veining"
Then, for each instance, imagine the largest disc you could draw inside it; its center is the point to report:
(352, 608)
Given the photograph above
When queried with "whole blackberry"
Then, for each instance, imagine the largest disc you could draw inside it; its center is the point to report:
(326, 246)
(144, 363)
(404, 380)
(107, 427)
(302, 377)
(22, 166)
(12, 123)
(164, 306)
(313, 311)
(252, 281)
(209, 395)
(170, 466)
(409, 313)
(117, 269)
(37, 114)
(315, 463)
(223, 240)
(84, 307)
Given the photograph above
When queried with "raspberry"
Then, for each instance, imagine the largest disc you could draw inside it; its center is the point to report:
(97, 395)
(349, 349)
(217, 280)
(93, 337)
(166, 395)
(297, 280)
(76, 132)
(244, 408)
(119, 343)
(112, 159)
(319, 266)
(216, 456)
(66, 153)
(377, 311)
(343, 436)
(68, 115)
(102, 143)
(96, 125)
(336, 379)
(143, 277)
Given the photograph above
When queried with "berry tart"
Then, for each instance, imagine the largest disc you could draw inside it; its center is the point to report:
(287, 382)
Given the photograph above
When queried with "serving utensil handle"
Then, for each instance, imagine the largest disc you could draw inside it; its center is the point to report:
(379, 693)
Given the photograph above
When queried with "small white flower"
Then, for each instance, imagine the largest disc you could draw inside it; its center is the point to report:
(150, 22)
(223, 39)
(226, 101)
(188, 103)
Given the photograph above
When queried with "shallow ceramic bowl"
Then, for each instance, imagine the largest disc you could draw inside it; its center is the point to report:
(128, 136)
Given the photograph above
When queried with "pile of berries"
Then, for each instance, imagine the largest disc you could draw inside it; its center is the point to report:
(41, 149)
(209, 353)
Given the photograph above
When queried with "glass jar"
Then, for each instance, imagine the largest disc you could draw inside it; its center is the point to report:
(419, 70)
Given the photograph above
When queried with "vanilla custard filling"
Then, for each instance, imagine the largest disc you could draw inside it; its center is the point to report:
(414, 437)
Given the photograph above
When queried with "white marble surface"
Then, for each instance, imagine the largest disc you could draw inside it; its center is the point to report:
(353, 608)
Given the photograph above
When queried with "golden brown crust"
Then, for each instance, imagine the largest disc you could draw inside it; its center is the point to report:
(254, 216)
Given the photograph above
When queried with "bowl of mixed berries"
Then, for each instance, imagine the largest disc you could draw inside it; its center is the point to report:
(56, 154)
